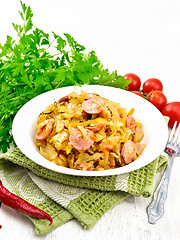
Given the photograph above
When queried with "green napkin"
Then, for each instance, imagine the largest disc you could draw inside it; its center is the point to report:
(66, 197)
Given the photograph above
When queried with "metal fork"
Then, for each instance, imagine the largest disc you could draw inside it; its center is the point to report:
(156, 208)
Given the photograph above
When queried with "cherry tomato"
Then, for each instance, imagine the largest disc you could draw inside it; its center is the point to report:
(137, 93)
(158, 99)
(152, 84)
(136, 82)
(172, 110)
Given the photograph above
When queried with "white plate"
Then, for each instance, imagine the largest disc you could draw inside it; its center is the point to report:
(154, 127)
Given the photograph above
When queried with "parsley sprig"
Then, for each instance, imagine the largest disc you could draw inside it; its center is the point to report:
(28, 68)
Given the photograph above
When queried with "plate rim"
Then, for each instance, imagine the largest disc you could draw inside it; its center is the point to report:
(63, 170)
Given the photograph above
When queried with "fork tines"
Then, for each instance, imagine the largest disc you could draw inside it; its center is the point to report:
(174, 137)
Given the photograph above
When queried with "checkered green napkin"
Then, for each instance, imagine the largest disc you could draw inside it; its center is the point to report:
(65, 197)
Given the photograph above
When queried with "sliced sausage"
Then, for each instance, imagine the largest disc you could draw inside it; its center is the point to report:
(93, 105)
(64, 99)
(131, 123)
(131, 150)
(77, 140)
(44, 129)
(96, 128)
(128, 152)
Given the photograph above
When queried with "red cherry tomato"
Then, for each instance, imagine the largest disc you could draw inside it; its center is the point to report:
(136, 82)
(172, 110)
(137, 93)
(158, 99)
(152, 84)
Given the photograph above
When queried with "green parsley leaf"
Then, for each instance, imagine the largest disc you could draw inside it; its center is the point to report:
(28, 68)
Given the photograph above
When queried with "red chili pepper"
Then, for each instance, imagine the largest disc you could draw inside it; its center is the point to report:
(22, 206)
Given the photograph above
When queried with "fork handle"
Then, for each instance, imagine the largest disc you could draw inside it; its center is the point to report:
(155, 209)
